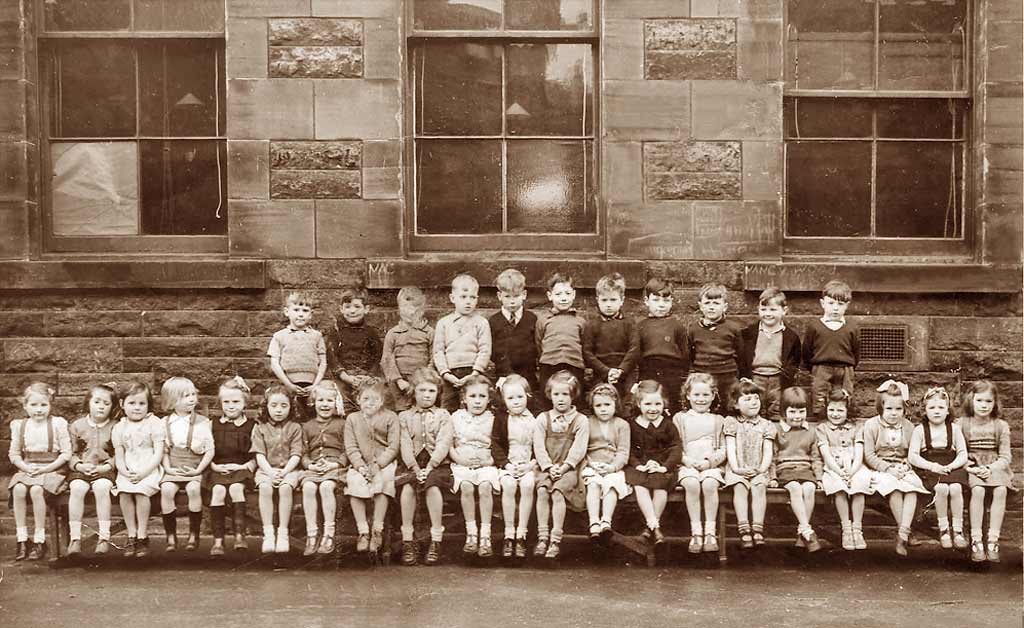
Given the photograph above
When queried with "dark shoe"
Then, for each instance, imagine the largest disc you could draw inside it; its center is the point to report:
(541, 548)
(977, 552)
(485, 550)
(129, 547)
(376, 540)
(913, 541)
(521, 548)
(746, 540)
(410, 553)
(433, 553)
(901, 546)
(553, 550)
(310, 548)
(659, 538)
(74, 548)
(102, 546)
(326, 545)
(22, 552)
(508, 548)
(758, 538)
(696, 544)
(647, 535)
(606, 533)
(142, 548)
(595, 532)
(813, 545)
(192, 543)
(993, 552)
(710, 543)
(38, 551)
(472, 544)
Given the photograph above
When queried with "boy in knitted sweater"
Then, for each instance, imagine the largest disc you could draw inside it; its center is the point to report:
(831, 346)
(462, 341)
(715, 341)
(298, 353)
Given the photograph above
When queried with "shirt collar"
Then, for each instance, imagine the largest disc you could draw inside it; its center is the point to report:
(295, 330)
(826, 323)
(780, 328)
(239, 422)
(403, 326)
(555, 311)
(508, 315)
(786, 427)
(94, 424)
(614, 317)
(644, 423)
(709, 325)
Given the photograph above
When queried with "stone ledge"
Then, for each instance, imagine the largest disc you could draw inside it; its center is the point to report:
(387, 273)
(74, 274)
(879, 277)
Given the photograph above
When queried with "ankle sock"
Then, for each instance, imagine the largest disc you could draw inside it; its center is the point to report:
(485, 530)
(75, 533)
(22, 533)
(471, 529)
(697, 530)
(709, 528)
(521, 532)
(407, 533)
(329, 529)
(104, 530)
(268, 532)
(39, 536)
(510, 532)
(436, 534)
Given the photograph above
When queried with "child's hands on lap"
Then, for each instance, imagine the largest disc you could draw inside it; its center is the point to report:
(773, 484)
(614, 375)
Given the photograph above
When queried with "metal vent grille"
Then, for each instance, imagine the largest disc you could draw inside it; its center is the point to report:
(883, 343)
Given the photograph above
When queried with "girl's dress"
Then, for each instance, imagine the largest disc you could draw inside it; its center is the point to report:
(40, 442)
(426, 439)
(796, 457)
(702, 439)
(658, 441)
(560, 438)
(188, 438)
(325, 440)
(988, 444)
(140, 440)
(278, 442)
(885, 445)
(232, 444)
(472, 459)
(92, 444)
(842, 445)
(372, 439)
(608, 444)
(940, 455)
(750, 435)
(515, 435)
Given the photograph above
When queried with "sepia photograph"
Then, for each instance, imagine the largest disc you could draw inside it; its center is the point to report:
(470, 313)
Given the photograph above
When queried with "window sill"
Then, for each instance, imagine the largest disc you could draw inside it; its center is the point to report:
(437, 270)
(884, 277)
(131, 273)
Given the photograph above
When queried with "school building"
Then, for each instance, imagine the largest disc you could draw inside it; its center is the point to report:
(170, 169)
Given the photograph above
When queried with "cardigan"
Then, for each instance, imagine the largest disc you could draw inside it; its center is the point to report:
(372, 439)
(659, 442)
(609, 442)
(791, 354)
(427, 429)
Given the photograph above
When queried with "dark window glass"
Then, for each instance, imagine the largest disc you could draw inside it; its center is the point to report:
(179, 88)
(827, 117)
(831, 44)
(829, 188)
(179, 15)
(548, 14)
(921, 44)
(87, 15)
(182, 187)
(457, 14)
(458, 186)
(458, 88)
(550, 186)
(95, 90)
(918, 193)
(922, 117)
(549, 89)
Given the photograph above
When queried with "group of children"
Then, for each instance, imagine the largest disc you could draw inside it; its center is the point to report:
(710, 404)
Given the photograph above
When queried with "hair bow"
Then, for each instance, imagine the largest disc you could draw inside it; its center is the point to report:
(111, 385)
(904, 390)
(501, 382)
(746, 380)
(339, 405)
(241, 383)
(936, 391)
(634, 388)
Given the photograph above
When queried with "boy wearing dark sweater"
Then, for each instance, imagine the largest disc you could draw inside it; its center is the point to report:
(664, 344)
(611, 347)
(771, 351)
(716, 342)
(513, 347)
(831, 346)
(353, 347)
(559, 335)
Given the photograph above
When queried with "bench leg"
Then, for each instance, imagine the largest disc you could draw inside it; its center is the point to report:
(722, 553)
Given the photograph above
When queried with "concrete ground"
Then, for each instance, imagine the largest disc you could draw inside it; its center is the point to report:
(779, 588)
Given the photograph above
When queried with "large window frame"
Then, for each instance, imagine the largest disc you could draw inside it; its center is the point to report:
(960, 97)
(589, 242)
(50, 43)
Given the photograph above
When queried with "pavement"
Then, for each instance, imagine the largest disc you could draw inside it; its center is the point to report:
(779, 587)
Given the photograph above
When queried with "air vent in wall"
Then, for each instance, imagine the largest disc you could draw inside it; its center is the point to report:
(883, 343)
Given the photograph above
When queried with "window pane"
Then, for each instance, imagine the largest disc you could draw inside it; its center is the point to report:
(96, 90)
(550, 186)
(548, 14)
(926, 117)
(458, 186)
(183, 188)
(919, 189)
(921, 44)
(828, 187)
(458, 89)
(179, 88)
(87, 15)
(175, 15)
(457, 14)
(831, 44)
(827, 117)
(549, 89)
(95, 188)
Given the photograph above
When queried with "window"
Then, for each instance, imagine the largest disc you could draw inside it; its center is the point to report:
(134, 126)
(503, 124)
(877, 127)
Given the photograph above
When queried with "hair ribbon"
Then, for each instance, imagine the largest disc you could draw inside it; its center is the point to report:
(501, 382)
(746, 380)
(936, 390)
(635, 387)
(903, 389)
(241, 383)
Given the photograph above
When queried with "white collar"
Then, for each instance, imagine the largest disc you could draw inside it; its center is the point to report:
(833, 325)
(239, 422)
(644, 423)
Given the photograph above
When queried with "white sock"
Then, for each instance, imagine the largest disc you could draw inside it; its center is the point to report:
(485, 530)
(312, 530)
(407, 533)
(282, 532)
(943, 523)
(510, 532)
(542, 532)
(76, 530)
(329, 529)
(39, 536)
(709, 527)
(363, 528)
(695, 528)
(22, 533)
(521, 532)
(471, 528)
(268, 532)
(436, 534)
(105, 530)
(378, 527)
(652, 523)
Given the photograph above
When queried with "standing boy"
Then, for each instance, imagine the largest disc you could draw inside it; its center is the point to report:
(559, 334)
(771, 351)
(298, 354)
(611, 347)
(353, 346)
(664, 342)
(716, 342)
(409, 345)
(462, 341)
(831, 346)
(513, 348)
